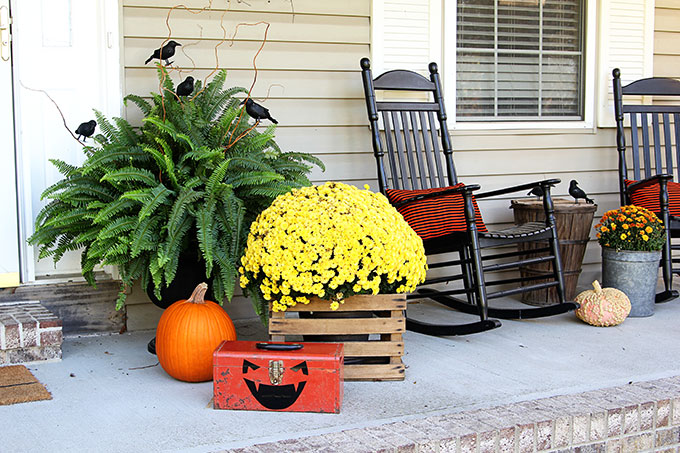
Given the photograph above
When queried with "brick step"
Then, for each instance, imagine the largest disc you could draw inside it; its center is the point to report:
(639, 417)
(28, 333)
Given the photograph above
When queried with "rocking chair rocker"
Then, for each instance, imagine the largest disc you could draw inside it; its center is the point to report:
(419, 178)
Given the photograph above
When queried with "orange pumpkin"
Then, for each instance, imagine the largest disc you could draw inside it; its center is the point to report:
(188, 333)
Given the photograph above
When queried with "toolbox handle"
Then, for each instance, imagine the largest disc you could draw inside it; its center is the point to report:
(279, 346)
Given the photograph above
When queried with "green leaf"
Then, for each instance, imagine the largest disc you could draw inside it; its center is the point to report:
(129, 174)
(145, 236)
(115, 208)
(179, 208)
(140, 102)
(113, 154)
(117, 227)
(158, 196)
(64, 168)
(217, 177)
(206, 234)
(138, 195)
(254, 178)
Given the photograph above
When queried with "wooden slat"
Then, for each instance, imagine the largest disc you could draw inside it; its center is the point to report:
(298, 7)
(374, 348)
(302, 112)
(357, 303)
(275, 55)
(290, 326)
(151, 23)
(271, 84)
(667, 142)
(374, 372)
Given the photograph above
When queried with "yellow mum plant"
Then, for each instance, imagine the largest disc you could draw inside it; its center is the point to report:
(631, 228)
(330, 241)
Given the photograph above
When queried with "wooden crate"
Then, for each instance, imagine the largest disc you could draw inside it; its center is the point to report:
(388, 324)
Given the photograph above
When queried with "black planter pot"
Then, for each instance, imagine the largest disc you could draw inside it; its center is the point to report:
(190, 272)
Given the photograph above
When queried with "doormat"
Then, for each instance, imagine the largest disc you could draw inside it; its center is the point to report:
(18, 385)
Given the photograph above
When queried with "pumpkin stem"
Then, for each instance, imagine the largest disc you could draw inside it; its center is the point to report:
(198, 296)
(598, 288)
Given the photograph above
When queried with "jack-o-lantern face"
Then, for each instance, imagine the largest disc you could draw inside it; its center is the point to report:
(274, 396)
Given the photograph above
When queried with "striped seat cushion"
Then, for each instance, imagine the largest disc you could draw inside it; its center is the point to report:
(648, 197)
(435, 217)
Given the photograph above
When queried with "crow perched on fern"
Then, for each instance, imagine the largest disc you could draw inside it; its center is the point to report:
(142, 191)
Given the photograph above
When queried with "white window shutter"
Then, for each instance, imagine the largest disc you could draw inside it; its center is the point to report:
(406, 34)
(627, 43)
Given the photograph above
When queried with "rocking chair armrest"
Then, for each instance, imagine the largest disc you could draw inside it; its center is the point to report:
(468, 189)
(543, 183)
(660, 179)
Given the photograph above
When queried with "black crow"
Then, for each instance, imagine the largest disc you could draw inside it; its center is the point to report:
(86, 129)
(257, 112)
(168, 51)
(538, 191)
(576, 192)
(186, 88)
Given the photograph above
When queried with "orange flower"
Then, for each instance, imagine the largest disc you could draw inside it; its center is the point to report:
(648, 230)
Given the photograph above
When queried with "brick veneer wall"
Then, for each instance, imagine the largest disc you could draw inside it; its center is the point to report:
(28, 332)
(639, 417)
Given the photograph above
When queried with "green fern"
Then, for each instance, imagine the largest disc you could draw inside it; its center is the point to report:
(144, 195)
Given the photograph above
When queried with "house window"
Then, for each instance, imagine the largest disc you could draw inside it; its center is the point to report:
(519, 60)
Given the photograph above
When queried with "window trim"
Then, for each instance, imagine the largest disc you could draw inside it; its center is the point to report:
(448, 39)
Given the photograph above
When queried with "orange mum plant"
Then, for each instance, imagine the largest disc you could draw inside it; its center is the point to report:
(631, 228)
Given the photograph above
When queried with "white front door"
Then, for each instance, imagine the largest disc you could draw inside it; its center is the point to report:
(9, 232)
(68, 49)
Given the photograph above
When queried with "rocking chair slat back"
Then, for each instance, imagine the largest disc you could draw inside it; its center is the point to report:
(413, 139)
(651, 152)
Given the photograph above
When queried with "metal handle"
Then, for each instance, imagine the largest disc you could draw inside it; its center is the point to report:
(279, 346)
(4, 33)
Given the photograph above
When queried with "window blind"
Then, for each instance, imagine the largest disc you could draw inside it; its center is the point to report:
(519, 60)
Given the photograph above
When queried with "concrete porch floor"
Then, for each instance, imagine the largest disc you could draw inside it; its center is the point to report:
(108, 396)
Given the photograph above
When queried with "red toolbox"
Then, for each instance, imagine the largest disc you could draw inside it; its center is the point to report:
(295, 377)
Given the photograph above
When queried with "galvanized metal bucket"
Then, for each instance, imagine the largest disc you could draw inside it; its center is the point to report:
(635, 273)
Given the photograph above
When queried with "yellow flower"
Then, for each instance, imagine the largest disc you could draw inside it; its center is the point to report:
(645, 237)
(648, 230)
(314, 240)
(623, 236)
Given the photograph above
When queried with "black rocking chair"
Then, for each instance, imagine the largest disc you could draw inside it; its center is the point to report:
(419, 178)
(647, 169)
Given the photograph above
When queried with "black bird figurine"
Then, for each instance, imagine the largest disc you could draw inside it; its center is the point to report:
(576, 192)
(86, 129)
(538, 191)
(168, 52)
(186, 88)
(257, 112)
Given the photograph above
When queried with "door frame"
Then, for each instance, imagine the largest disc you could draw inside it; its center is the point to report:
(110, 22)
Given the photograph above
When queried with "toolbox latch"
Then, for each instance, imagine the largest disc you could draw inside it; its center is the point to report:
(275, 371)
